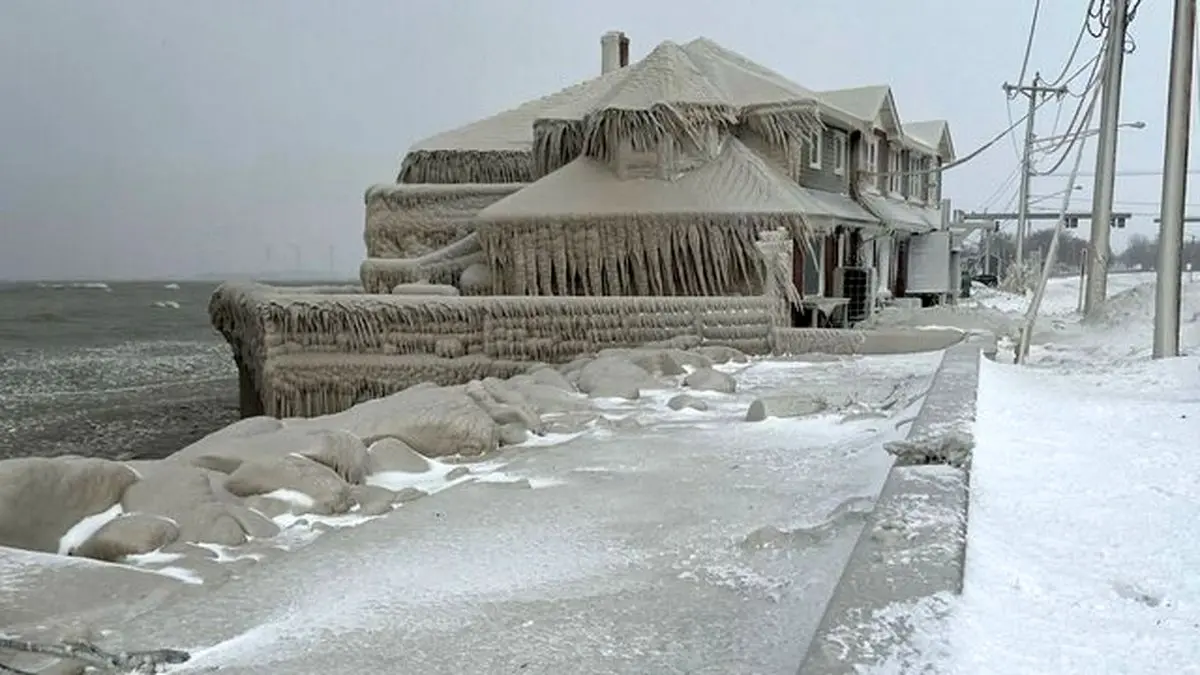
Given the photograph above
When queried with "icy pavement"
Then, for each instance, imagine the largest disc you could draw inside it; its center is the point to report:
(666, 542)
(1083, 487)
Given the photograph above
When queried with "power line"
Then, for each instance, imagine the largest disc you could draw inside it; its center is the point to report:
(1037, 8)
(1147, 203)
(1074, 128)
(1004, 186)
(962, 160)
(1096, 12)
(1126, 172)
(1083, 30)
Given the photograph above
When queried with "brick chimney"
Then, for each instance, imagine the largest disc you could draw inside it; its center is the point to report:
(614, 51)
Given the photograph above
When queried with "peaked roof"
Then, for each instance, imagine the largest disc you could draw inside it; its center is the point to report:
(933, 133)
(865, 103)
(740, 80)
(738, 181)
(668, 74)
(513, 129)
(733, 71)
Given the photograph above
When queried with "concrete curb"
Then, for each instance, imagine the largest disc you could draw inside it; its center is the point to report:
(863, 342)
(913, 544)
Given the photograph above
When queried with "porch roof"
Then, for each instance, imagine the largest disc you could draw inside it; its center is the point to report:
(834, 207)
(902, 216)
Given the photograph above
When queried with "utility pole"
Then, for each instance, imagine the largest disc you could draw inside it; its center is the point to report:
(1168, 289)
(1036, 93)
(1096, 286)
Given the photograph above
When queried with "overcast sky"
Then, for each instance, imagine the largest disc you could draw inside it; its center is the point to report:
(164, 138)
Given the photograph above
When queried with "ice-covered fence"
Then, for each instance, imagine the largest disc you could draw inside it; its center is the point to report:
(305, 353)
(407, 221)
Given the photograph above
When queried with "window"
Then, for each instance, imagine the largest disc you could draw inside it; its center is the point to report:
(872, 148)
(812, 149)
(916, 177)
(894, 172)
(839, 153)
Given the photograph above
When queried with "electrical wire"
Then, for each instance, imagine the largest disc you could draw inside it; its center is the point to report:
(1137, 173)
(1062, 77)
(1074, 130)
(978, 151)
(1005, 185)
(1096, 13)
(1013, 136)
(1057, 118)
(1037, 8)
(1083, 30)
(1075, 139)
(1070, 138)
(1039, 293)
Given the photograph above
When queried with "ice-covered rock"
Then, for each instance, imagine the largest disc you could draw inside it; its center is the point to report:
(681, 401)
(329, 494)
(614, 377)
(185, 495)
(393, 454)
(707, 379)
(129, 534)
(784, 405)
(41, 499)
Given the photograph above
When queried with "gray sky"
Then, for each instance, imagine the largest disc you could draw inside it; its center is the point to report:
(162, 138)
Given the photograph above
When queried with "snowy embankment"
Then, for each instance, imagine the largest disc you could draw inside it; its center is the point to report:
(1083, 491)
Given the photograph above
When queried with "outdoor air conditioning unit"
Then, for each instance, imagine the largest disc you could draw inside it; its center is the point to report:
(858, 284)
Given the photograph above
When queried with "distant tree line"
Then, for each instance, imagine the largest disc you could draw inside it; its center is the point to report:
(1140, 253)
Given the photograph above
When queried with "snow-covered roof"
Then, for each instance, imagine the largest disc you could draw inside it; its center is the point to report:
(738, 181)
(726, 74)
(872, 105)
(900, 215)
(877, 105)
(862, 102)
(934, 134)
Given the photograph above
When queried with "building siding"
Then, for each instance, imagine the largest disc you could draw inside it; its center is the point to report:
(824, 178)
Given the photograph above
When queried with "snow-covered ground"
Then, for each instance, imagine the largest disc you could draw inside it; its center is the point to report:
(1085, 489)
(660, 542)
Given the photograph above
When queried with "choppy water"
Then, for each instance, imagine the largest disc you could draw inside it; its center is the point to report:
(118, 369)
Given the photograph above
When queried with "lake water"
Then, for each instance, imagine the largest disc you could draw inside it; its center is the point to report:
(110, 369)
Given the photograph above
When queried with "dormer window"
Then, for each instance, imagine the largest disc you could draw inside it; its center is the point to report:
(812, 150)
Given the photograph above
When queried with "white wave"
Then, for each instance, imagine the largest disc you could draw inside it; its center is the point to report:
(79, 285)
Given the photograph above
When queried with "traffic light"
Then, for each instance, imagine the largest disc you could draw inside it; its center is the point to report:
(1119, 222)
(1072, 222)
